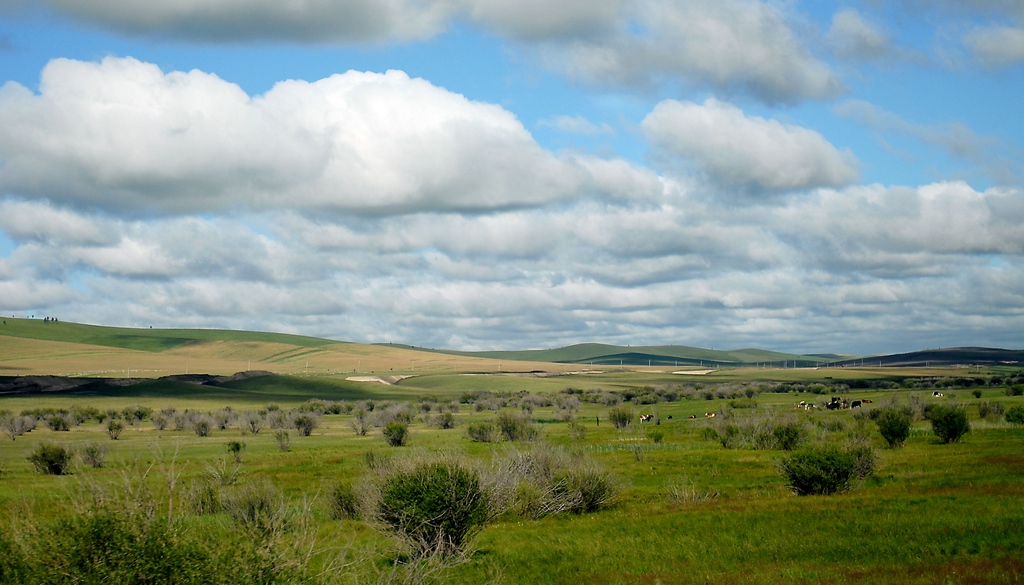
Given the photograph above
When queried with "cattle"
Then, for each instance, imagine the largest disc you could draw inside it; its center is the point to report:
(937, 394)
(646, 417)
(835, 404)
(866, 401)
(709, 414)
(802, 403)
(855, 404)
(693, 416)
(809, 406)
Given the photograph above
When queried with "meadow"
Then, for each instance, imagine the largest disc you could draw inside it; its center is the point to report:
(690, 505)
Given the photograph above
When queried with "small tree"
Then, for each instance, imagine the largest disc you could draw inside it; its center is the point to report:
(284, 442)
(236, 448)
(93, 454)
(826, 469)
(894, 425)
(305, 423)
(52, 459)
(114, 428)
(1015, 415)
(396, 433)
(435, 507)
(949, 423)
(481, 432)
(621, 416)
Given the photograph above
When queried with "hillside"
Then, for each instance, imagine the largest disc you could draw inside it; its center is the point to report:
(655, 355)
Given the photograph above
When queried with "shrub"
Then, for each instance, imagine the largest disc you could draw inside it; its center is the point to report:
(894, 424)
(976, 393)
(656, 435)
(1015, 390)
(235, 448)
(1015, 415)
(788, 436)
(342, 502)
(481, 432)
(515, 427)
(52, 459)
(577, 432)
(284, 442)
(93, 454)
(826, 469)
(202, 496)
(58, 422)
(258, 507)
(250, 422)
(114, 428)
(444, 420)
(435, 507)
(987, 409)
(16, 426)
(202, 425)
(305, 423)
(621, 416)
(396, 433)
(360, 421)
(949, 423)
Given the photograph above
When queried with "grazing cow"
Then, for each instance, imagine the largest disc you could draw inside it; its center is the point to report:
(693, 416)
(802, 403)
(709, 414)
(937, 394)
(855, 404)
(835, 404)
(670, 417)
(809, 406)
(646, 417)
(866, 401)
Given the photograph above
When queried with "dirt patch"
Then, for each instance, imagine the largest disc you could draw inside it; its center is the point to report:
(388, 380)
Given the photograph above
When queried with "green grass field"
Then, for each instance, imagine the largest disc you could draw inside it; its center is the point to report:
(688, 510)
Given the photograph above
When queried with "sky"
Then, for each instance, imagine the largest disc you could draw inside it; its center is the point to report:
(800, 176)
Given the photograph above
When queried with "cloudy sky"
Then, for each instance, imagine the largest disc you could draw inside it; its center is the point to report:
(809, 176)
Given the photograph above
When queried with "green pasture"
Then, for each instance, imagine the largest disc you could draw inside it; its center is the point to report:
(153, 340)
(931, 512)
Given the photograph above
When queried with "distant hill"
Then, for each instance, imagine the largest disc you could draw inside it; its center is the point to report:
(153, 340)
(655, 355)
(952, 356)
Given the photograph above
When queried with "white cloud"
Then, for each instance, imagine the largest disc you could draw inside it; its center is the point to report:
(726, 44)
(997, 45)
(732, 45)
(121, 134)
(852, 36)
(253, 20)
(747, 151)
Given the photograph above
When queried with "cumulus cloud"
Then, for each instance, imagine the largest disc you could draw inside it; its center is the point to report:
(729, 45)
(122, 134)
(746, 151)
(997, 45)
(843, 263)
(298, 21)
(854, 37)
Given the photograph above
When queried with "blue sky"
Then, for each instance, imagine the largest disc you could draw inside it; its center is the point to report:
(485, 174)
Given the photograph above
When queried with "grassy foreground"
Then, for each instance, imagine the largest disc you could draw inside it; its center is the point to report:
(688, 510)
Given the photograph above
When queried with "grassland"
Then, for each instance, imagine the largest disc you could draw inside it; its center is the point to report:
(689, 510)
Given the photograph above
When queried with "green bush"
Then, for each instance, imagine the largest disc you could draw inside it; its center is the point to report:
(656, 435)
(52, 459)
(396, 433)
(976, 393)
(435, 507)
(258, 507)
(342, 502)
(284, 442)
(988, 409)
(894, 424)
(305, 423)
(788, 436)
(481, 432)
(949, 423)
(93, 454)
(826, 469)
(58, 422)
(1015, 390)
(1015, 415)
(235, 448)
(583, 489)
(114, 428)
(621, 416)
(515, 427)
